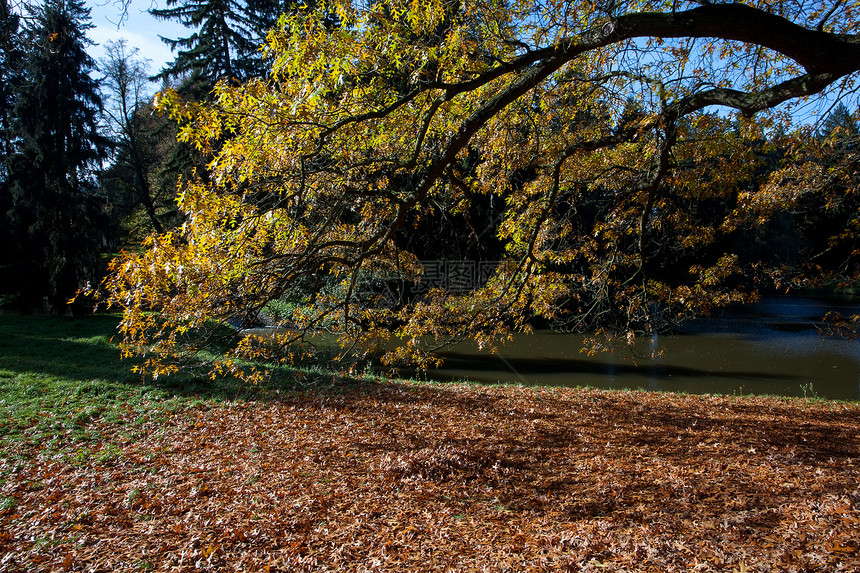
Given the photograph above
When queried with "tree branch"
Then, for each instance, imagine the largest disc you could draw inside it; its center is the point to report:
(815, 50)
(752, 102)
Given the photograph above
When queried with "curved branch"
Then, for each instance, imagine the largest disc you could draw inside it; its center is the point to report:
(752, 102)
(831, 55)
(815, 50)
(836, 5)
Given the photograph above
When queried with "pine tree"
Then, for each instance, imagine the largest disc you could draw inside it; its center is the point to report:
(225, 43)
(11, 56)
(226, 40)
(840, 123)
(57, 216)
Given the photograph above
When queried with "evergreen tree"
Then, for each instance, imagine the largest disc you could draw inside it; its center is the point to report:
(11, 56)
(840, 124)
(59, 221)
(225, 42)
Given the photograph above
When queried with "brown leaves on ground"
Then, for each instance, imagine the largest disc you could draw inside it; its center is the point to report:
(399, 477)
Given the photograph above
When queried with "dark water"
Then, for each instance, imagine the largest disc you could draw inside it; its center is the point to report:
(768, 348)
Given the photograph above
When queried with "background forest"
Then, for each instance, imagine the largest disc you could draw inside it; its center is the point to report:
(89, 166)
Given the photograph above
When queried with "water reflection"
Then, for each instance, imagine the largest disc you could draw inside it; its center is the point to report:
(769, 348)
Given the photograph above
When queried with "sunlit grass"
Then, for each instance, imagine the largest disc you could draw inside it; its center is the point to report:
(57, 375)
(62, 383)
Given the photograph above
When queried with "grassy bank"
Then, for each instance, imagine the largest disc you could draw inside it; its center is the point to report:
(101, 472)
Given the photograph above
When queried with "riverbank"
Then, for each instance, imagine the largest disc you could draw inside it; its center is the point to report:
(315, 472)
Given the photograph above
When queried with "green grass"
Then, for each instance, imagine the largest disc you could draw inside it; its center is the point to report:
(62, 382)
(59, 374)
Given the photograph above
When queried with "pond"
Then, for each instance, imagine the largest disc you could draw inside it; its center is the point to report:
(772, 347)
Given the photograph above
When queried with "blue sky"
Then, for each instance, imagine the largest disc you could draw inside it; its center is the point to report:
(140, 29)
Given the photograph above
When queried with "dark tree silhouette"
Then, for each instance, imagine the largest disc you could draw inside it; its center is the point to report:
(58, 219)
(224, 44)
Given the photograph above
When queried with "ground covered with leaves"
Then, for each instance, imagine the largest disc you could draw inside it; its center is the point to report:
(316, 472)
(396, 476)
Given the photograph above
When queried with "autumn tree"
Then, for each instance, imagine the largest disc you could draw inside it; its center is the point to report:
(224, 44)
(813, 198)
(592, 125)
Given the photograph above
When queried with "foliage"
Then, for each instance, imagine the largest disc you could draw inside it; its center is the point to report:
(225, 44)
(226, 39)
(616, 196)
(815, 191)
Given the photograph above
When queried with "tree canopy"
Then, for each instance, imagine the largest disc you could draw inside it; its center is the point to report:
(607, 155)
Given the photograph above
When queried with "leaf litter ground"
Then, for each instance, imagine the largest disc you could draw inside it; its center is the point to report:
(391, 476)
